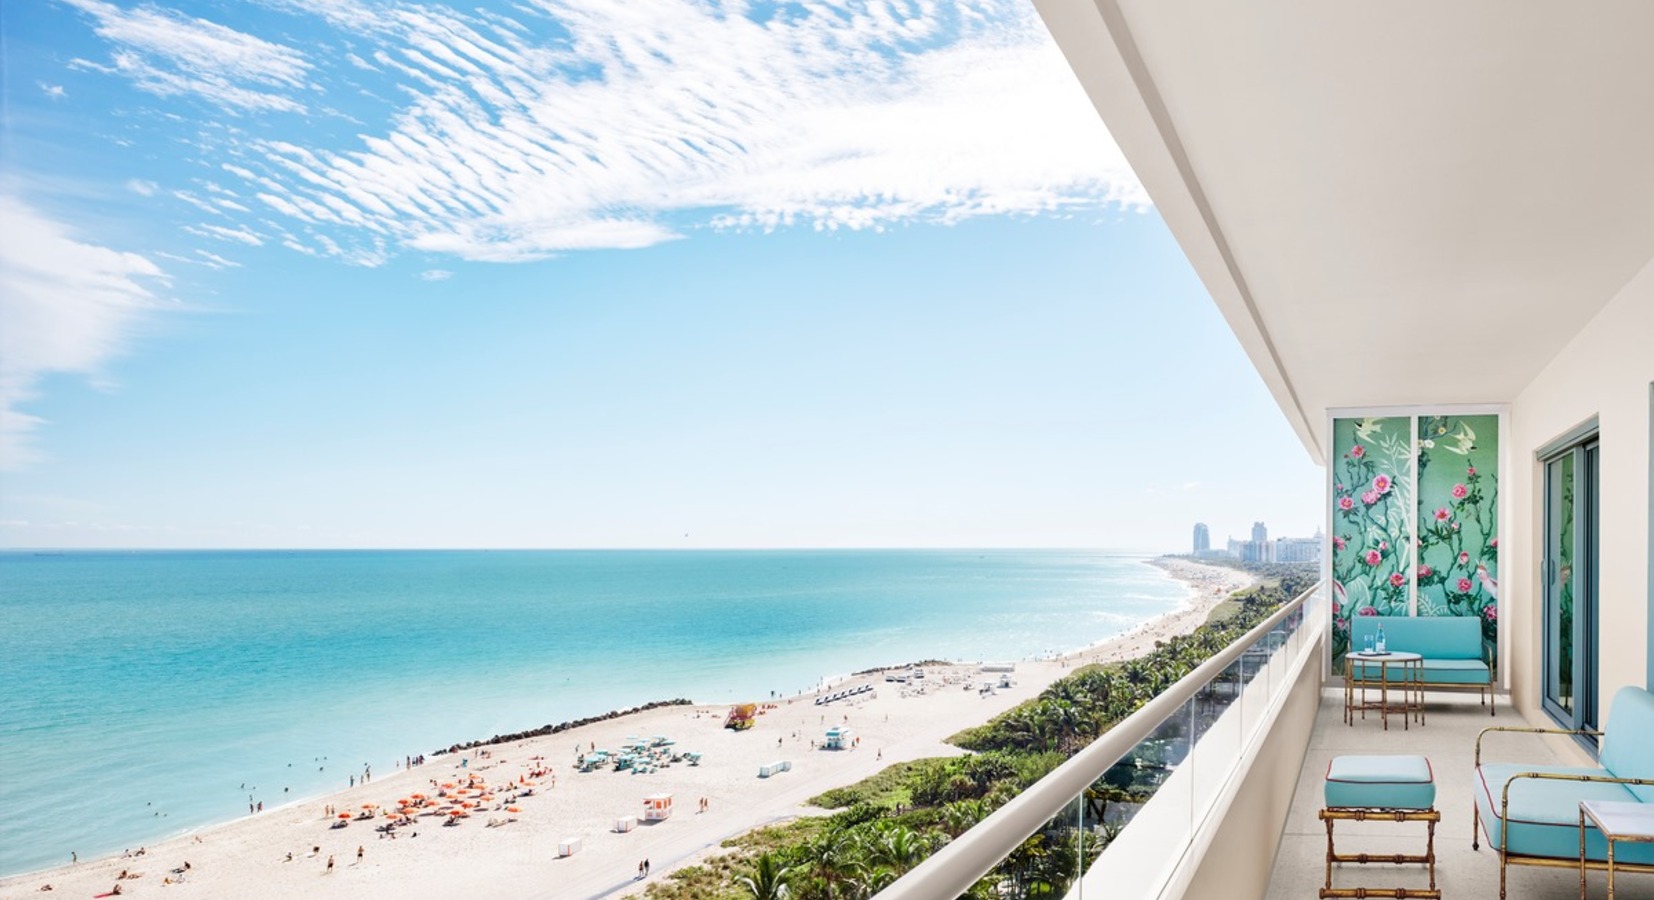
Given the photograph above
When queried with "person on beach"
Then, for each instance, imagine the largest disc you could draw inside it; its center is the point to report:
(359, 851)
(329, 864)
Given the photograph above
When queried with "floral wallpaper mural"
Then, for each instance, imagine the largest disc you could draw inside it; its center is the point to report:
(1415, 526)
(1371, 532)
(1458, 540)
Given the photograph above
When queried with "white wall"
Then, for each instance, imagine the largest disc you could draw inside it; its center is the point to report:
(1605, 372)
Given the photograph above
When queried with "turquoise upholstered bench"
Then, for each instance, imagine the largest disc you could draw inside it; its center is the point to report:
(1393, 788)
(1451, 647)
(1530, 813)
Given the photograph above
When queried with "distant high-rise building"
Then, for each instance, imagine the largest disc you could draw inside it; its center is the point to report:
(1260, 534)
(1298, 550)
(1203, 538)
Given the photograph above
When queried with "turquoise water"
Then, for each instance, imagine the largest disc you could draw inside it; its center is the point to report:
(144, 694)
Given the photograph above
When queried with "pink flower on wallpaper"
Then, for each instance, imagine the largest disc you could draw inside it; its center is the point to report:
(1358, 451)
(1339, 543)
(1369, 611)
(1346, 504)
(1397, 580)
(1491, 611)
(1464, 585)
(1374, 557)
(1464, 559)
(1383, 545)
(1370, 498)
(1444, 514)
(1382, 484)
(1424, 571)
(1470, 471)
(1494, 543)
(1455, 526)
(1460, 492)
(1336, 607)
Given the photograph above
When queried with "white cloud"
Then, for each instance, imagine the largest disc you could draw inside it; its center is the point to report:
(560, 125)
(435, 275)
(54, 91)
(68, 306)
(142, 187)
(237, 235)
(519, 142)
(169, 54)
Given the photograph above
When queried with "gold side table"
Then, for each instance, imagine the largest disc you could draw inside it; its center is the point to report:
(1619, 822)
(1411, 685)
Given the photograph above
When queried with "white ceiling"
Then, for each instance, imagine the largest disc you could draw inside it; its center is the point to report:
(1392, 203)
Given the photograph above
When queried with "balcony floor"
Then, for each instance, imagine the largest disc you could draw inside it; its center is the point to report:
(1448, 739)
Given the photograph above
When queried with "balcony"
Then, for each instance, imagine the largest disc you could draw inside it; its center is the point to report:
(1448, 739)
(1237, 751)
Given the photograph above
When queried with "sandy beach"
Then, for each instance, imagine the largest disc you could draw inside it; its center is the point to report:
(519, 857)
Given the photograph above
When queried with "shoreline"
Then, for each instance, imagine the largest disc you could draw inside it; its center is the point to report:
(896, 721)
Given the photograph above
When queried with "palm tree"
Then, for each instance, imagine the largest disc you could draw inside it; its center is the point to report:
(835, 860)
(958, 818)
(768, 880)
(899, 848)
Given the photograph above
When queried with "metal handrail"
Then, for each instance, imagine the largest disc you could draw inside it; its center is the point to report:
(950, 871)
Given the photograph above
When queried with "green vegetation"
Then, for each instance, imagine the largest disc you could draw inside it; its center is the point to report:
(888, 823)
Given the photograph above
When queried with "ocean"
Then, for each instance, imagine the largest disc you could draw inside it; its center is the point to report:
(143, 694)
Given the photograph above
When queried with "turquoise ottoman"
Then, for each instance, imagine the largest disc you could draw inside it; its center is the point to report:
(1389, 788)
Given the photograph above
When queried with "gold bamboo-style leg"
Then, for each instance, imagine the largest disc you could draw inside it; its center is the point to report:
(1430, 852)
(1610, 867)
(1504, 840)
(1330, 855)
(1582, 853)
(1349, 693)
(1384, 693)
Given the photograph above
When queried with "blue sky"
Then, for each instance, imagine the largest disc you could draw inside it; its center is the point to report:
(587, 274)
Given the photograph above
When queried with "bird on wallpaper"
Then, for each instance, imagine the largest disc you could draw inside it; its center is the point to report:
(1366, 428)
(1464, 441)
(1489, 583)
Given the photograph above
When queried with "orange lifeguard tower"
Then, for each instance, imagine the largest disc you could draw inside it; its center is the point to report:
(741, 716)
(657, 807)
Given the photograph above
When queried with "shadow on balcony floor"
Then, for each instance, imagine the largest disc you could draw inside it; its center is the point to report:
(1448, 739)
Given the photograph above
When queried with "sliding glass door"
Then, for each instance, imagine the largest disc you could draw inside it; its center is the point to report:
(1570, 575)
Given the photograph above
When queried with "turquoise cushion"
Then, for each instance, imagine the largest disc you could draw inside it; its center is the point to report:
(1433, 637)
(1380, 782)
(1544, 814)
(1456, 671)
(1434, 671)
(1628, 739)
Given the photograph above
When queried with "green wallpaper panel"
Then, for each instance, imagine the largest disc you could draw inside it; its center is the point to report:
(1452, 559)
(1458, 572)
(1371, 536)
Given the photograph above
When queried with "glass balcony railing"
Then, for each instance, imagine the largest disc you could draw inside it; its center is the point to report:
(1127, 811)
